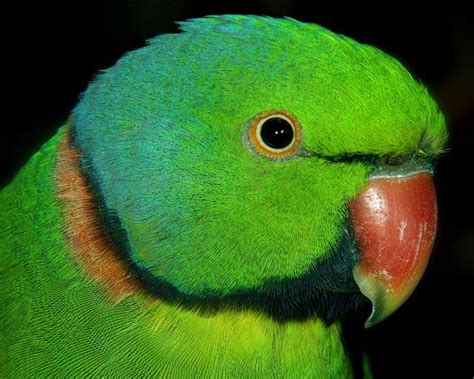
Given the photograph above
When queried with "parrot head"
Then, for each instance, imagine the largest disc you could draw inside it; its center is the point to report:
(264, 163)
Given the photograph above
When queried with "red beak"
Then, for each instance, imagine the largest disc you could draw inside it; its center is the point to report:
(394, 220)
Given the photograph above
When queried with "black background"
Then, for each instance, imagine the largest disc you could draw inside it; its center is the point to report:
(53, 51)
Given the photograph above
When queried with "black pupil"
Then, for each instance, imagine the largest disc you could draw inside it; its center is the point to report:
(277, 133)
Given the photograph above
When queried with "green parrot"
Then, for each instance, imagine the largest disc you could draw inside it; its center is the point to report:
(216, 203)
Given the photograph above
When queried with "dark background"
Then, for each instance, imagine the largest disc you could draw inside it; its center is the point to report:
(54, 51)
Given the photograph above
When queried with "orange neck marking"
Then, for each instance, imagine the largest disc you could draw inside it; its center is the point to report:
(90, 245)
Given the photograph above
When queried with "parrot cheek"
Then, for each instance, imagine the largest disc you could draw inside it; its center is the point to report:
(394, 221)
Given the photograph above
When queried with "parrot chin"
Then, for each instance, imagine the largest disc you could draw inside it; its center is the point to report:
(394, 221)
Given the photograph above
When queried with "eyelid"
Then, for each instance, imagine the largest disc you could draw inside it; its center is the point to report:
(259, 145)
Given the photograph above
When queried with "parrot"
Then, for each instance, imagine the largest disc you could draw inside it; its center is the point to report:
(216, 203)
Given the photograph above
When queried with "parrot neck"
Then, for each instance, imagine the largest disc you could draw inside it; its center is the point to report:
(225, 342)
(250, 343)
(91, 247)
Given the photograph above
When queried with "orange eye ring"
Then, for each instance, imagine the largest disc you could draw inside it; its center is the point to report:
(262, 146)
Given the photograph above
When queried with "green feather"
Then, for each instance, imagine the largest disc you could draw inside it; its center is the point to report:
(57, 323)
(163, 142)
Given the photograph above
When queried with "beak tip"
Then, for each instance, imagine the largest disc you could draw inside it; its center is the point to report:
(374, 318)
(371, 289)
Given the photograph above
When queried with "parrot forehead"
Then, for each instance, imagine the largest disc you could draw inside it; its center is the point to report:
(223, 70)
(349, 97)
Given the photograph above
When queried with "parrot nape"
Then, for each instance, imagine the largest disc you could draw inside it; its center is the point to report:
(215, 204)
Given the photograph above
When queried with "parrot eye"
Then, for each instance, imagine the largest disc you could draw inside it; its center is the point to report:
(276, 134)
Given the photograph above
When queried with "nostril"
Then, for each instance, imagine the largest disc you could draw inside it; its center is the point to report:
(393, 160)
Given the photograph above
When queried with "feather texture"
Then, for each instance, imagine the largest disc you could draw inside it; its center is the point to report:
(155, 180)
